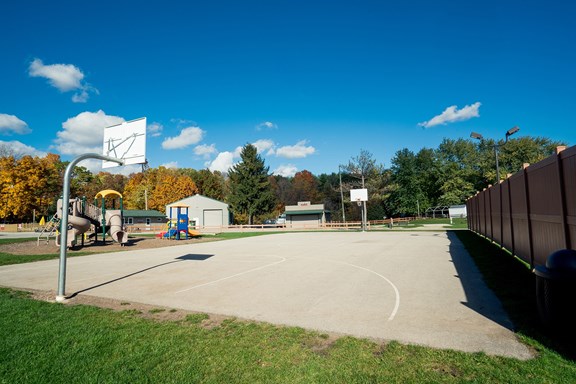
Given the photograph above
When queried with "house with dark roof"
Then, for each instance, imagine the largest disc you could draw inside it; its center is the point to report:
(143, 218)
(305, 214)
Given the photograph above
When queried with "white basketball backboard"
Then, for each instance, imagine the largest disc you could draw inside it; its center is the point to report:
(126, 141)
(359, 194)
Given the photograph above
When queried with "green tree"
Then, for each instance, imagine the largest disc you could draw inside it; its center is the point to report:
(250, 190)
(282, 187)
(522, 150)
(361, 166)
(406, 191)
(356, 173)
(511, 156)
(81, 181)
(329, 189)
(456, 172)
(209, 184)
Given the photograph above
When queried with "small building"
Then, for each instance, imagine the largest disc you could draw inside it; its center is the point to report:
(457, 211)
(203, 211)
(305, 214)
(141, 217)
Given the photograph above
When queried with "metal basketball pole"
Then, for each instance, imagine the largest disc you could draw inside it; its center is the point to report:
(60, 296)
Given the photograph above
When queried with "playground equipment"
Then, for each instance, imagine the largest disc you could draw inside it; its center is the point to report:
(82, 216)
(178, 225)
(49, 229)
(127, 143)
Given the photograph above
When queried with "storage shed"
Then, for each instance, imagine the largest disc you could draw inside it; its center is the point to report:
(457, 211)
(203, 211)
(305, 214)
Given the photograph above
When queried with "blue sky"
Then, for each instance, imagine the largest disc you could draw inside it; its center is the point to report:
(311, 83)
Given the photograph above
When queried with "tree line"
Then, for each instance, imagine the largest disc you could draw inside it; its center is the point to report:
(414, 182)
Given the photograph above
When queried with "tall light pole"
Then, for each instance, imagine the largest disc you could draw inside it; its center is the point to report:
(509, 133)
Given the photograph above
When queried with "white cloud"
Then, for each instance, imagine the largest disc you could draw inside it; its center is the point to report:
(299, 150)
(80, 97)
(64, 77)
(263, 145)
(266, 125)
(286, 170)
(222, 162)
(126, 169)
(453, 114)
(154, 129)
(95, 166)
(188, 136)
(84, 133)
(11, 124)
(237, 152)
(171, 165)
(19, 149)
(205, 150)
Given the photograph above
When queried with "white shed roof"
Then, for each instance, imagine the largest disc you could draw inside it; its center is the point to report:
(199, 201)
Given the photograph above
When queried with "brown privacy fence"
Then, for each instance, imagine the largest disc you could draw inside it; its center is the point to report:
(533, 212)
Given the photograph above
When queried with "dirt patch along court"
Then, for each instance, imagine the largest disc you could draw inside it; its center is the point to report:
(414, 287)
(43, 247)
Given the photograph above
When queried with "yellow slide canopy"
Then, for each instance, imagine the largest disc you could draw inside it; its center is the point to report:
(107, 192)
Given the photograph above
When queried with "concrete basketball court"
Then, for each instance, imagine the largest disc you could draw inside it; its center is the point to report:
(413, 287)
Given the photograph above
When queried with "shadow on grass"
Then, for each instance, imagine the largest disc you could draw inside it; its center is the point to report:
(514, 285)
(479, 297)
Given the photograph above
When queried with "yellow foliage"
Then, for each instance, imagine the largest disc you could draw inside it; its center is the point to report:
(28, 184)
(171, 188)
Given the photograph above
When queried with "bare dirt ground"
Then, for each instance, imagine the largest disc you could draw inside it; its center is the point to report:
(152, 312)
(134, 242)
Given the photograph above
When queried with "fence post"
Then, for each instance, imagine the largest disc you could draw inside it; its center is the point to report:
(510, 212)
(562, 188)
(529, 219)
(501, 214)
(489, 190)
(484, 212)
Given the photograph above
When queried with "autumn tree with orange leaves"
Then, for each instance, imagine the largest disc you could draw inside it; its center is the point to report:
(304, 188)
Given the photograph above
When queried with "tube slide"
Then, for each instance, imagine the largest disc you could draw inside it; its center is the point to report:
(114, 219)
(78, 226)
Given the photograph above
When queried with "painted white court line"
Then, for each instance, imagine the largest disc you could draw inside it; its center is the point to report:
(233, 276)
(397, 293)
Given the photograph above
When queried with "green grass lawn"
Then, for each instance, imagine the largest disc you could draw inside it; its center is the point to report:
(8, 258)
(43, 342)
(457, 223)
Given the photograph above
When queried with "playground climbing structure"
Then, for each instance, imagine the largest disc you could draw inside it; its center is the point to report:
(82, 216)
(177, 226)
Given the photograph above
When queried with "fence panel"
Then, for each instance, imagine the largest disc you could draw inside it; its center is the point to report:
(568, 158)
(495, 214)
(532, 213)
(507, 239)
(520, 215)
(482, 212)
(545, 208)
